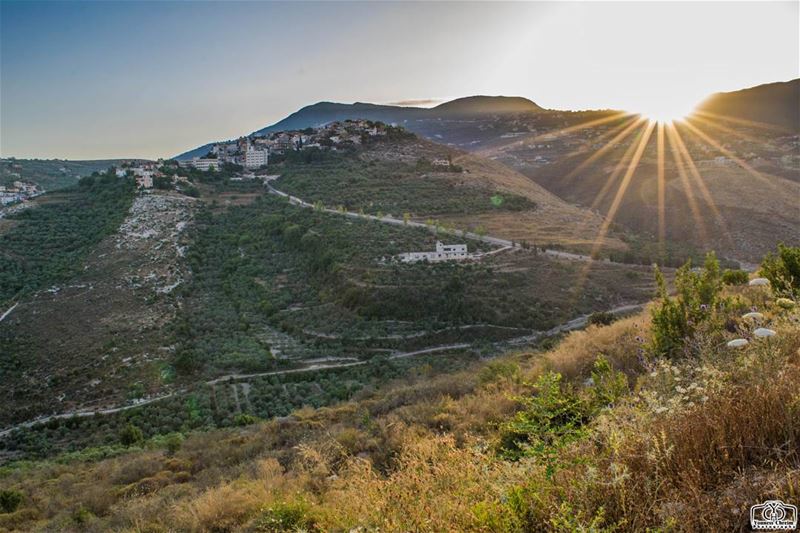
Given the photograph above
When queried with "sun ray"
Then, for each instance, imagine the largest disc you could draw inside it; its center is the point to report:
(717, 126)
(687, 189)
(623, 187)
(705, 137)
(620, 166)
(701, 185)
(613, 131)
(550, 135)
(742, 121)
(662, 224)
(636, 121)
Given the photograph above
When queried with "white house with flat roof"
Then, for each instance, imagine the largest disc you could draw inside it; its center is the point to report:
(444, 252)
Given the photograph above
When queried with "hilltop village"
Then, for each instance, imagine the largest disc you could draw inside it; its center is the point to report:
(253, 152)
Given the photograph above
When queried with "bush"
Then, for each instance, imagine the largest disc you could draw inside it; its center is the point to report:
(284, 517)
(554, 417)
(601, 318)
(783, 271)
(674, 320)
(734, 277)
(131, 435)
(244, 419)
(9, 500)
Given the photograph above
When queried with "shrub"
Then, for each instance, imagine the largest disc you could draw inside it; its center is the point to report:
(131, 435)
(734, 277)
(783, 271)
(601, 318)
(555, 416)
(9, 500)
(674, 320)
(244, 419)
(284, 517)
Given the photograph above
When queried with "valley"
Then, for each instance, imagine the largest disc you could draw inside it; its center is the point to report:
(187, 297)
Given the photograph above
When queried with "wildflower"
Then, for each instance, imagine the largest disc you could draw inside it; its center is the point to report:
(680, 389)
(786, 303)
(753, 315)
(764, 332)
(639, 339)
(704, 307)
(758, 282)
(737, 343)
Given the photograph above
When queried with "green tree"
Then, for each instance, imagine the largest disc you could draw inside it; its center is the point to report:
(783, 271)
(131, 435)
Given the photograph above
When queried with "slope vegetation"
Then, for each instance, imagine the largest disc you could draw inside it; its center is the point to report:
(611, 430)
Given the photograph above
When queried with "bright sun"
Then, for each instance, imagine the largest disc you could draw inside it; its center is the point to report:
(665, 111)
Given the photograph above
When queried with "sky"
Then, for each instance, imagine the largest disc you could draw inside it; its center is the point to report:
(92, 80)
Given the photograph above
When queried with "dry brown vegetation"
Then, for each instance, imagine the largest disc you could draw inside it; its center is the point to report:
(689, 447)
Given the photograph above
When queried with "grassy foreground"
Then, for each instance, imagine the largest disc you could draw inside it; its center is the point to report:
(652, 423)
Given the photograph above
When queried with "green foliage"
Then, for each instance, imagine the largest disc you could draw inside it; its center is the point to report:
(389, 187)
(173, 443)
(496, 371)
(734, 277)
(131, 435)
(553, 417)
(284, 517)
(9, 500)
(558, 413)
(244, 419)
(601, 318)
(674, 320)
(51, 174)
(48, 243)
(783, 271)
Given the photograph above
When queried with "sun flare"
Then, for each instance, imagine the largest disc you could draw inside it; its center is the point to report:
(665, 112)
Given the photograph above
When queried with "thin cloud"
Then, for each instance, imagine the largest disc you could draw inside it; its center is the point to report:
(423, 102)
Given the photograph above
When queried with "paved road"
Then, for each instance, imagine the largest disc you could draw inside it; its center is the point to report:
(8, 312)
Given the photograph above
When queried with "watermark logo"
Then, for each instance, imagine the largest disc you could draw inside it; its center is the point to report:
(773, 515)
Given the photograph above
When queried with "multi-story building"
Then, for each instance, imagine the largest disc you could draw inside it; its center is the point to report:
(255, 158)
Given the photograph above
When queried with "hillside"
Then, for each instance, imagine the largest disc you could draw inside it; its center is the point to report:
(399, 178)
(51, 174)
(562, 438)
(771, 104)
(410, 117)
(240, 282)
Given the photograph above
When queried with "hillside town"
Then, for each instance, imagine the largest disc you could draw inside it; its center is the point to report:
(253, 152)
(17, 192)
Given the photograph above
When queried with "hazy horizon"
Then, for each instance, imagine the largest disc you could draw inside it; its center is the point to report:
(98, 81)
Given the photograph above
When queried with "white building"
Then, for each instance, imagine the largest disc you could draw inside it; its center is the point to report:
(204, 164)
(254, 158)
(444, 252)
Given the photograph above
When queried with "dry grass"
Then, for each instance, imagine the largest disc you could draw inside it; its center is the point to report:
(694, 444)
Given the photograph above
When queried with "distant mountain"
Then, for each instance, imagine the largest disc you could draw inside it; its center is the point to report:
(325, 112)
(777, 104)
(477, 105)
